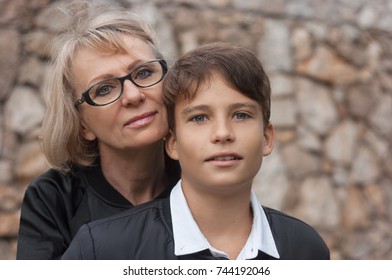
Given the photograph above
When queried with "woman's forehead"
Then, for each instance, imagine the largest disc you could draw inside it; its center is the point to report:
(92, 64)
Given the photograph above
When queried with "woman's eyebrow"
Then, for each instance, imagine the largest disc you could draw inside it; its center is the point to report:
(135, 64)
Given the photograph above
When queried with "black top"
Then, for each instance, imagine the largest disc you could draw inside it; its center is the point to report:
(57, 204)
(145, 232)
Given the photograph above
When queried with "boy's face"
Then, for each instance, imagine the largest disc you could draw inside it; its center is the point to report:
(220, 138)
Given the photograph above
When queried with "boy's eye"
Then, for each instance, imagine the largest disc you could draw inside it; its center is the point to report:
(241, 116)
(198, 119)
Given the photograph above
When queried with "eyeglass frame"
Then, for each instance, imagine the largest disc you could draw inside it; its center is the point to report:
(86, 97)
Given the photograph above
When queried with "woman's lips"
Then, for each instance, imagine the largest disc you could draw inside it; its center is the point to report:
(140, 120)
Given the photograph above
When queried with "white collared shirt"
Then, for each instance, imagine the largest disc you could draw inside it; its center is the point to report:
(189, 239)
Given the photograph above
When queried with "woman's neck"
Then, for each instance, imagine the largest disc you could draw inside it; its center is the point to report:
(138, 175)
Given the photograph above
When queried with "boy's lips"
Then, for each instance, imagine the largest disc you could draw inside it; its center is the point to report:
(141, 120)
(224, 156)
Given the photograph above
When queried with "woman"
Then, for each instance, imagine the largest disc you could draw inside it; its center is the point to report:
(103, 131)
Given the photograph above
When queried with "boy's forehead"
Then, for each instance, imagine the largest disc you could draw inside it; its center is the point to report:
(197, 85)
(216, 92)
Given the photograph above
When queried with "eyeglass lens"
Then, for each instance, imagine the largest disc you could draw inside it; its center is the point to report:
(109, 90)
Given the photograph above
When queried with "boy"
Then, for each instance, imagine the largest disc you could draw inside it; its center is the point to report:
(218, 102)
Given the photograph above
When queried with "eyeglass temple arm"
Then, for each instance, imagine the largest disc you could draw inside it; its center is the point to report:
(79, 101)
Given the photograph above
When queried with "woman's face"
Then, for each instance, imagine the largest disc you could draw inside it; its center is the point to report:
(138, 118)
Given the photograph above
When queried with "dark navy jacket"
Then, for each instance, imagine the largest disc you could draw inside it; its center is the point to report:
(145, 232)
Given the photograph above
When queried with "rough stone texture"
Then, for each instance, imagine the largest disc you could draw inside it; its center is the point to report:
(272, 184)
(315, 106)
(9, 224)
(284, 113)
(9, 55)
(330, 64)
(318, 204)
(24, 110)
(341, 142)
(273, 47)
(10, 198)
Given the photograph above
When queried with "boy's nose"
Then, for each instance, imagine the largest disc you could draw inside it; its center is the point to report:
(222, 132)
(132, 95)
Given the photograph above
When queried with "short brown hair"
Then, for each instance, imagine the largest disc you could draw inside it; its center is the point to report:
(238, 66)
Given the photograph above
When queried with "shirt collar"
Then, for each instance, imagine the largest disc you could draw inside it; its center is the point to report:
(188, 238)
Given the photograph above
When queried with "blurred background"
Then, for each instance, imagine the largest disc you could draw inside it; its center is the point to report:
(330, 65)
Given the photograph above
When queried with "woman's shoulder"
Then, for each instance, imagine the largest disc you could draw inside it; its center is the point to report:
(54, 182)
(52, 174)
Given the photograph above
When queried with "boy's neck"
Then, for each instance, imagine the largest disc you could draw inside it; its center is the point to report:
(224, 219)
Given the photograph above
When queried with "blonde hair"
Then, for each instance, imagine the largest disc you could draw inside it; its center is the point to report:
(91, 25)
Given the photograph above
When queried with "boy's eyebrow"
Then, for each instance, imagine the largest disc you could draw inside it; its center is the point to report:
(242, 105)
(189, 109)
(203, 107)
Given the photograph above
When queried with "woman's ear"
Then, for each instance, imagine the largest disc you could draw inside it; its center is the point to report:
(87, 133)
(269, 139)
(171, 145)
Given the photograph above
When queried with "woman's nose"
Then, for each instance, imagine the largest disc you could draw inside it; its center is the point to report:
(132, 94)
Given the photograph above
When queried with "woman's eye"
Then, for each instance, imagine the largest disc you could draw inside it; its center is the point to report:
(102, 90)
(143, 74)
(198, 119)
(241, 116)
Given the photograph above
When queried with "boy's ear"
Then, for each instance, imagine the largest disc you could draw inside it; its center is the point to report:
(171, 145)
(269, 139)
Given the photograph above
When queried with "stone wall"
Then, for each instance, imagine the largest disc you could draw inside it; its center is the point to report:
(330, 64)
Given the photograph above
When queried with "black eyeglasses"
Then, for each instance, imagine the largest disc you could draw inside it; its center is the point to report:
(108, 91)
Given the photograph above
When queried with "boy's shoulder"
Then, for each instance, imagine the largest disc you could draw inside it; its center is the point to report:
(153, 209)
(276, 215)
(131, 234)
(294, 238)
